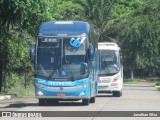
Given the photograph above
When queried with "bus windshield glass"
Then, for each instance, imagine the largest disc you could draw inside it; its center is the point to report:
(109, 62)
(62, 58)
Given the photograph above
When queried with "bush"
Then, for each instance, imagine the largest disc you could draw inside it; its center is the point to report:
(157, 84)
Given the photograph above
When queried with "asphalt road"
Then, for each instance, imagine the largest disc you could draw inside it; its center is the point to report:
(134, 98)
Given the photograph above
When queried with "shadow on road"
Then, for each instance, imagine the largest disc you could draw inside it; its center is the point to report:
(67, 103)
(19, 105)
(61, 103)
(104, 95)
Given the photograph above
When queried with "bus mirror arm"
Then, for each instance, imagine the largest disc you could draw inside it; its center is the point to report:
(32, 52)
(91, 52)
(83, 69)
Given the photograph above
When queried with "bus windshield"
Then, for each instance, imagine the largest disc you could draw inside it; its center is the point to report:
(62, 58)
(109, 62)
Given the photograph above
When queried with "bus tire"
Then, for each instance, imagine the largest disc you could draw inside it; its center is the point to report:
(85, 101)
(92, 100)
(42, 102)
(117, 93)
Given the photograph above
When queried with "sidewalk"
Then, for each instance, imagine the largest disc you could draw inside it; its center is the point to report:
(7, 97)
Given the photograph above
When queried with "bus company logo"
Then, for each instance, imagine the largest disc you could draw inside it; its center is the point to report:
(75, 42)
(21, 114)
(61, 83)
(61, 88)
(6, 114)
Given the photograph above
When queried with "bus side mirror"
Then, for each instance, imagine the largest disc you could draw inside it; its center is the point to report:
(83, 68)
(91, 52)
(32, 52)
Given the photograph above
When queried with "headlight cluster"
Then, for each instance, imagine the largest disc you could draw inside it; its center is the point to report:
(116, 78)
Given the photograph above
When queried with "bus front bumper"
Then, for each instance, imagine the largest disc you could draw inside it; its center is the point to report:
(109, 87)
(63, 97)
(66, 93)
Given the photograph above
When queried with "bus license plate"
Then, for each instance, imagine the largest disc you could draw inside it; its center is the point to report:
(61, 94)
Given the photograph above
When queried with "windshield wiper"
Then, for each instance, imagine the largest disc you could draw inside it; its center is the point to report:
(52, 73)
(69, 69)
(41, 76)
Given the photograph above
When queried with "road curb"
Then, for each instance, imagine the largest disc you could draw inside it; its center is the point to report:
(140, 85)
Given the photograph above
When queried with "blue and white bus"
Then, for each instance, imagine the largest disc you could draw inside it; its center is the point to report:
(66, 62)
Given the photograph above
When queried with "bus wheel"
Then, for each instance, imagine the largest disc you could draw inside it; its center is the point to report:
(42, 102)
(117, 93)
(85, 101)
(92, 100)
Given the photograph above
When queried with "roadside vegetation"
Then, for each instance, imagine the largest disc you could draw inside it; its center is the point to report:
(132, 81)
(133, 24)
(22, 92)
(157, 85)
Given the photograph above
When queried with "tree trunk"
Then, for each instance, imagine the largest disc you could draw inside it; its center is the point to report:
(25, 80)
(132, 76)
(132, 72)
(1, 70)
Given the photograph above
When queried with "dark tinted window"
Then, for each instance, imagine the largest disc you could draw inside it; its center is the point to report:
(70, 29)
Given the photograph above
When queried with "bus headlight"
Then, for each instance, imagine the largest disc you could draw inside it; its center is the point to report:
(81, 94)
(116, 78)
(40, 93)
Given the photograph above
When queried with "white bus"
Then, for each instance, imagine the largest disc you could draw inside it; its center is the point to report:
(110, 69)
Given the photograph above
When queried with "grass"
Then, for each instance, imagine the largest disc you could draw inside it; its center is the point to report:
(157, 85)
(1, 94)
(132, 81)
(21, 91)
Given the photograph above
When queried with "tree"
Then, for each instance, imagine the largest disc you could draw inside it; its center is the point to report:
(98, 13)
(65, 10)
(139, 39)
(19, 18)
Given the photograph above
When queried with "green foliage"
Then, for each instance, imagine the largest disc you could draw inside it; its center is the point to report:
(16, 50)
(123, 8)
(11, 80)
(132, 81)
(65, 10)
(157, 84)
(133, 24)
(19, 20)
(22, 91)
(23, 13)
(98, 13)
(139, 39)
